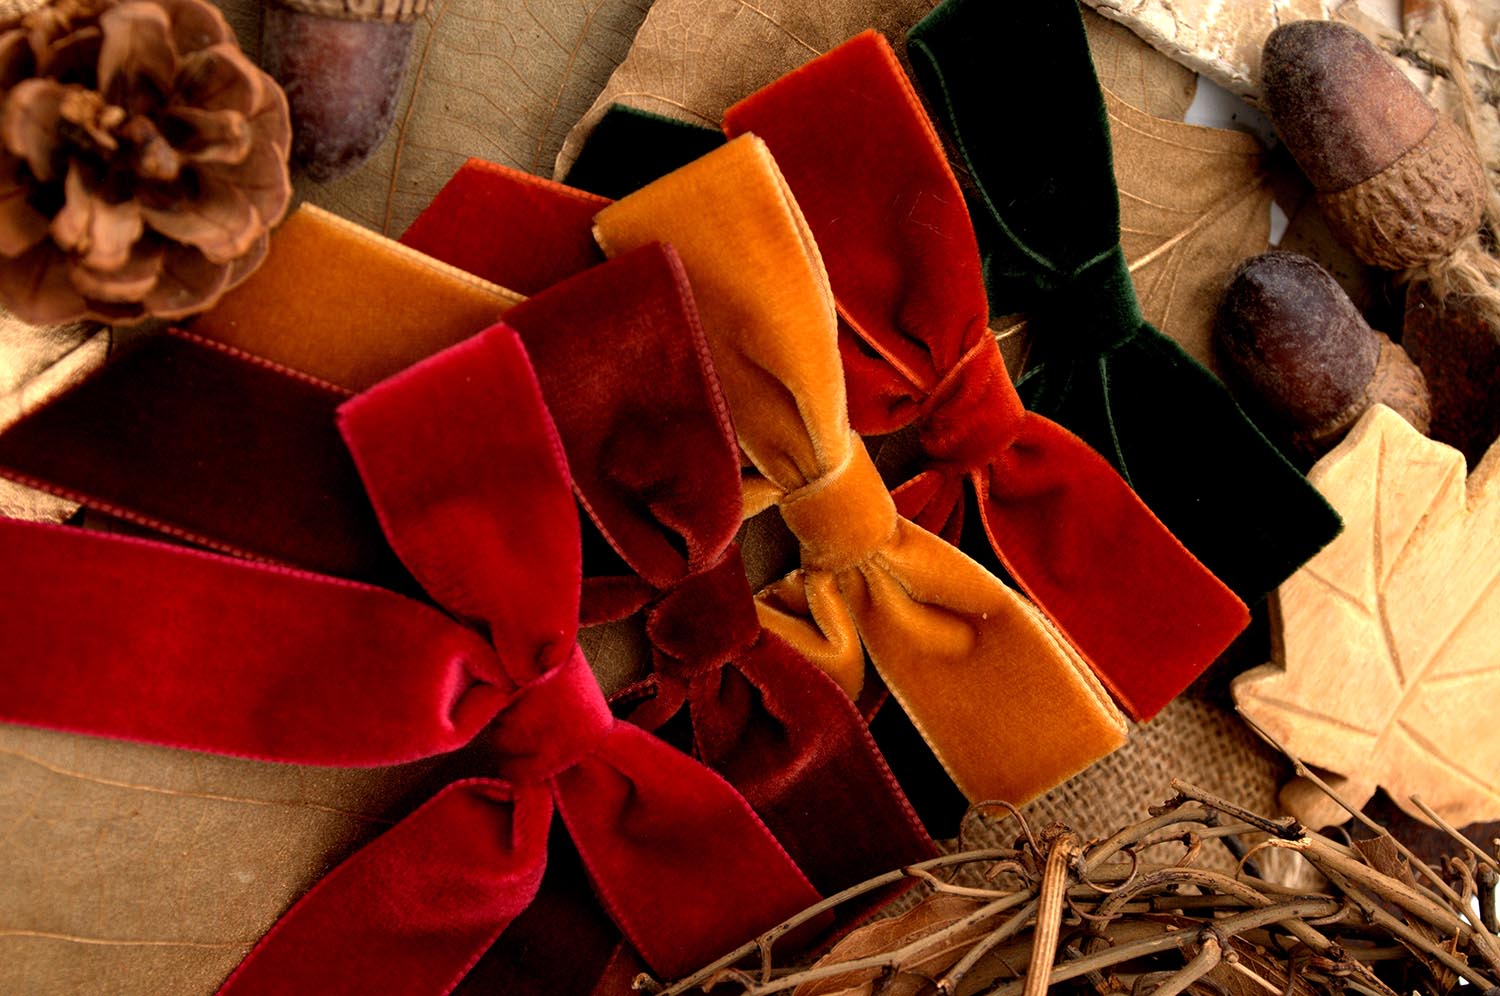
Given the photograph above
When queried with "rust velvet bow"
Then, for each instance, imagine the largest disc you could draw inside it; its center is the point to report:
(869, 172)
(624, 367)
(465, 473)
(1009, 708)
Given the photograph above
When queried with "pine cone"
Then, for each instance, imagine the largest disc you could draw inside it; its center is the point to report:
(143, 160)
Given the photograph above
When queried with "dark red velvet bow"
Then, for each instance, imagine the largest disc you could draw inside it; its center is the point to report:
(869, 172)
(465, 473)
(625, 368)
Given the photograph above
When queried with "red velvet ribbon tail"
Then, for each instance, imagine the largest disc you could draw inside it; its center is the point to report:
(803, 758)
(681, 863)
(412, 911)
(1148, 615)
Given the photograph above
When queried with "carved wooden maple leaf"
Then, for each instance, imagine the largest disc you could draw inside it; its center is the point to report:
(1390, 637)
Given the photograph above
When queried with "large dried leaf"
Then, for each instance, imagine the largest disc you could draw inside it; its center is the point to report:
(143, 871)
(691, 59)
(498, 79)
(1390, 636)
(1194, 202)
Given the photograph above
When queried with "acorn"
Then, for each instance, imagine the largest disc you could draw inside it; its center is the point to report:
(1399, 183)
(341, 63)
(1295, 349)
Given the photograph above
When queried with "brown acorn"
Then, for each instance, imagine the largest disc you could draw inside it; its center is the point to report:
(1295, 349)
(1399, 183)
(341, 63)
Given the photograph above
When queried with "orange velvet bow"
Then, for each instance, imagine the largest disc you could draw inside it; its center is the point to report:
(1006, 703)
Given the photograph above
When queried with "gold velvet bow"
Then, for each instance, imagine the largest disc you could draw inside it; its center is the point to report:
(1006, 704)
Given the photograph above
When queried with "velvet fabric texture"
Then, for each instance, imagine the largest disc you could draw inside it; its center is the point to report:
(1047, 217)
(279, 665)
(629, 148)
(869, 172)
(1007, 705)
(195, 440)
(393, 306)
(624, 366)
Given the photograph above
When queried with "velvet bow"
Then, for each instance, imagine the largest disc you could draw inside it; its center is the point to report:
(1047, 217)
(1007, 705)
(870, 174)
(466, 476)
(623, 363)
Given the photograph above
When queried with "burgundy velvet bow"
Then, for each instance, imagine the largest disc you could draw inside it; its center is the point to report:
(625, 368)
(465, 473)
(869, 172)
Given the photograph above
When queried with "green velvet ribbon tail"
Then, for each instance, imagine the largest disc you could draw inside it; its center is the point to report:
(1046, 211)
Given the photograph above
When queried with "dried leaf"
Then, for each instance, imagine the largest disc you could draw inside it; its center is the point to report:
(1137, 73)
(498, 79)
(1390, 636)
(36, 362)
(143, 871)
(910, 978)
(693, 58)
(1220, 40)
(1194, 202)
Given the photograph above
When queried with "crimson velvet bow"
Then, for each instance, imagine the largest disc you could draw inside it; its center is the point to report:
(465, 474)
(625, 368)
(870, 174)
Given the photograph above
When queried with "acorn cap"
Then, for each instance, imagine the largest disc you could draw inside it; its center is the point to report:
(1293, 345)
(1398, 183)
(1343, 110)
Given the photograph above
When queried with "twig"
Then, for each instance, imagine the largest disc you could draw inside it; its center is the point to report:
(1458, 837)
(1200, 965)
(1049, 912)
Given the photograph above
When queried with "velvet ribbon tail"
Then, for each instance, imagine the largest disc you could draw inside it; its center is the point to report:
(803, 758)
(197, 651)
(414, 909)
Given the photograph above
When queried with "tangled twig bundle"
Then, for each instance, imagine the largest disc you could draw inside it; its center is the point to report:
(1103, 917)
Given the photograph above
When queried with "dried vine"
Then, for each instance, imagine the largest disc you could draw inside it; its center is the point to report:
(1112, 916)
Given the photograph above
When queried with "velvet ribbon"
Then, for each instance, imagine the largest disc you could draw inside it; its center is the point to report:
(1008, 706)
(870, 174)
(465, 473)
(1047, 217)
(624, 366)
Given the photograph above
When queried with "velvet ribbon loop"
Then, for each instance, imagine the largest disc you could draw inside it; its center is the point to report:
(1046, 214)
(889, 216)
(1005, 703)
(621, 356)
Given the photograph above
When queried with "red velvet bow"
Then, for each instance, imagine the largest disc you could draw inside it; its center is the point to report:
(624, 365)
(465, 473)
(869, 171)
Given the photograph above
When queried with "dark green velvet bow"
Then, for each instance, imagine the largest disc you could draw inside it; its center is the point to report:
(1047, 214)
